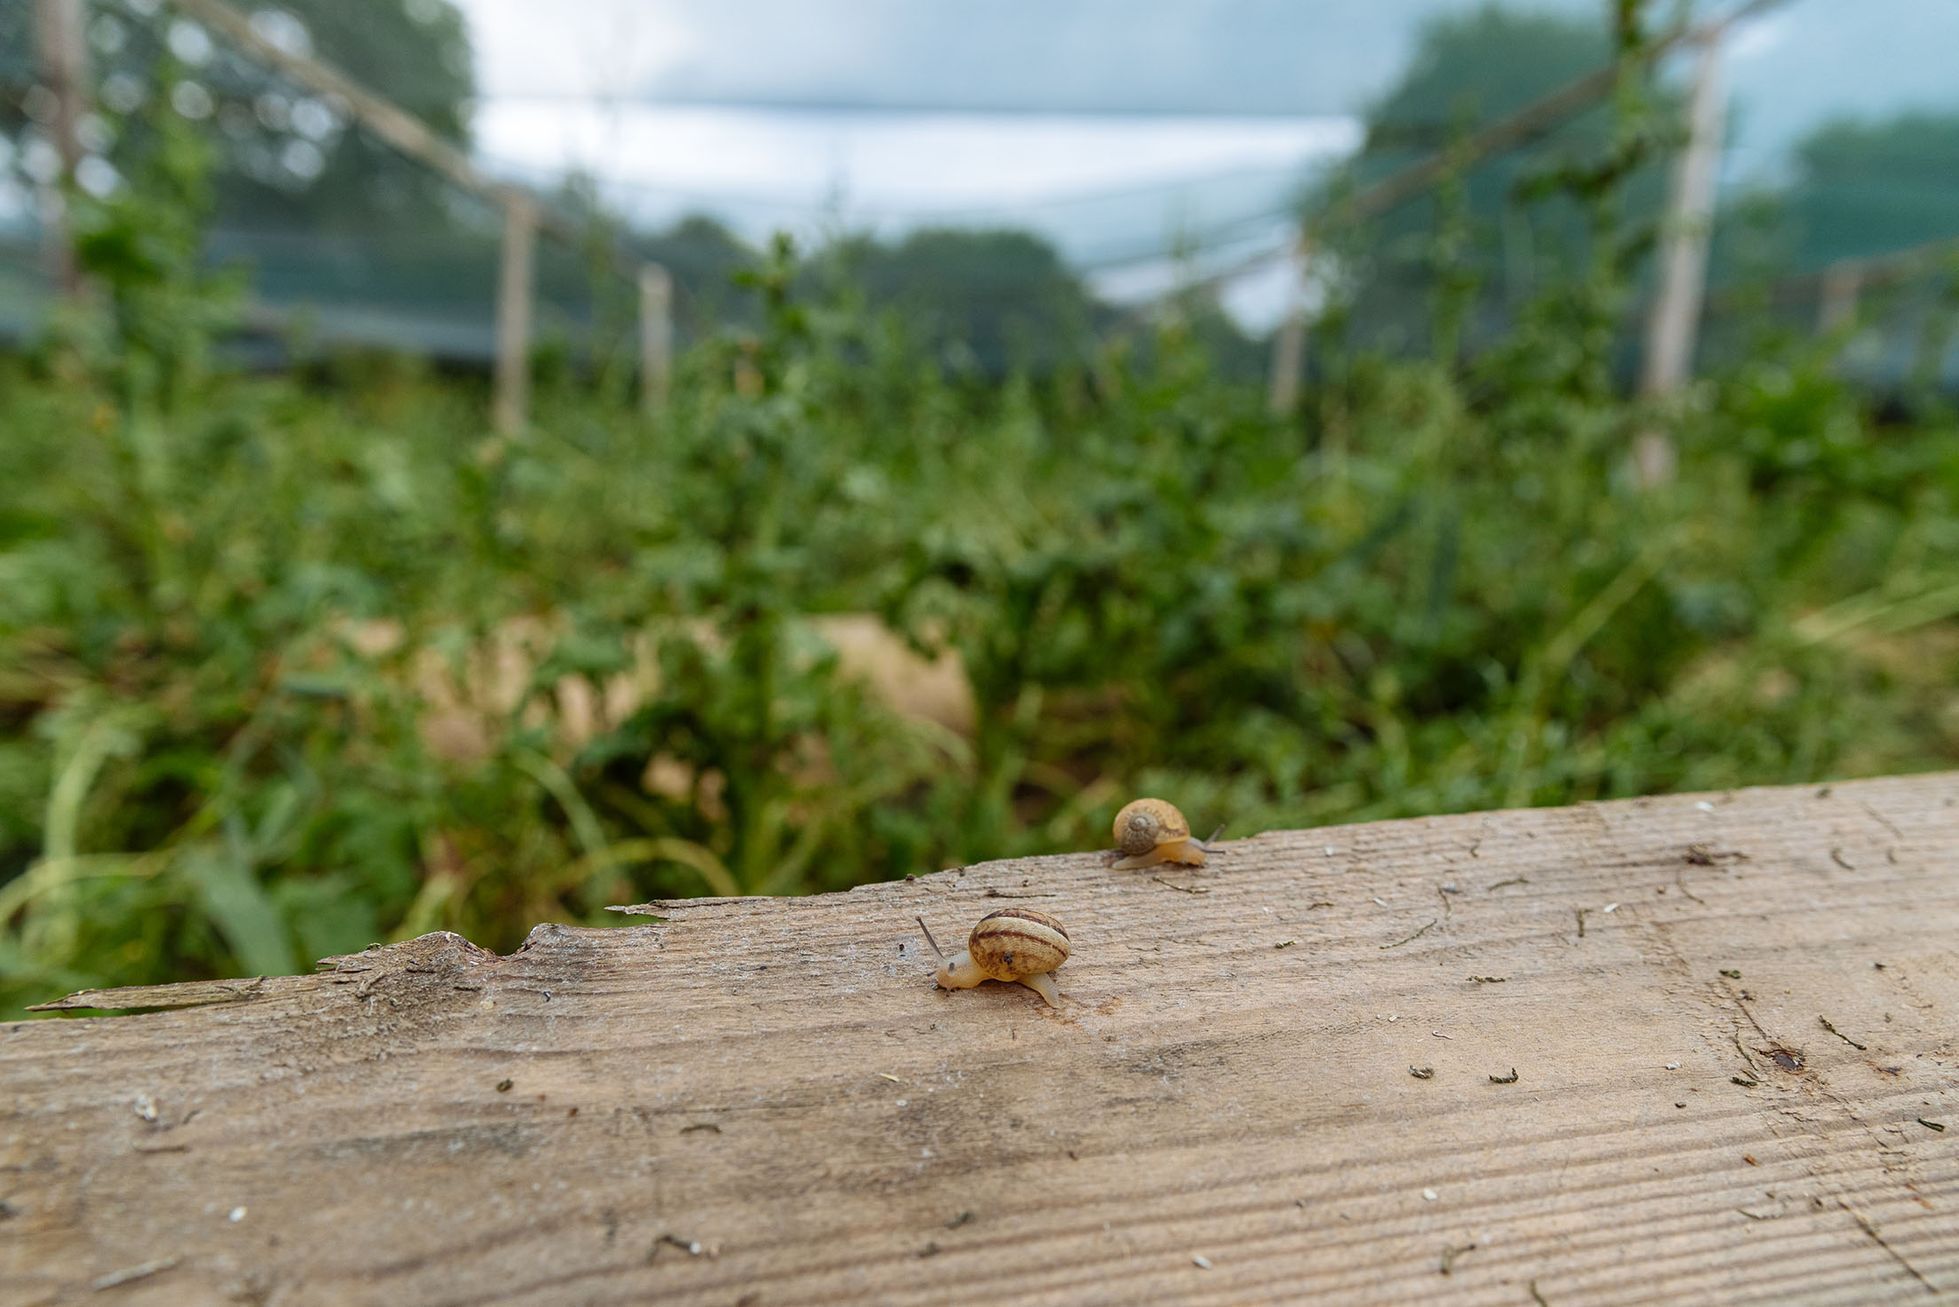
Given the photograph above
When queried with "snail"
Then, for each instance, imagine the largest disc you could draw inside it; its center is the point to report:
(1151, 831)
(1011, 944)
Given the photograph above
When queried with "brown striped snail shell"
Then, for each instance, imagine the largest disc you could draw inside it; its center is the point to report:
(1152, 831)
(1013, 944)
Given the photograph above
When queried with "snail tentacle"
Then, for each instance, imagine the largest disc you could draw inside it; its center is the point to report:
(1043, 984)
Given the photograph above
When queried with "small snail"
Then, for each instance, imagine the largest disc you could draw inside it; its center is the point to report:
(1151, 831)
(1011, 944)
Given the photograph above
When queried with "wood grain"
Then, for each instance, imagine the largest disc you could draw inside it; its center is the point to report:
(768, 1102)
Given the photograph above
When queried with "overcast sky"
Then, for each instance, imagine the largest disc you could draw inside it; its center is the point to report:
(1187, 56)
(1111, 125)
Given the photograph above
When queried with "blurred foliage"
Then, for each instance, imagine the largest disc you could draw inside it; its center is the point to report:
(1869, 187)
(285, 158)
(978, 301)
(227, 623)
(292, 664)
(1515, 224)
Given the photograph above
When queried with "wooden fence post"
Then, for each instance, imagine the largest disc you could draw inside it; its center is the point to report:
(514, 298)
(62, 50)
(655, 336)
(1837, 304)
(1289, 347)
(1289, 344)
(1675, 320)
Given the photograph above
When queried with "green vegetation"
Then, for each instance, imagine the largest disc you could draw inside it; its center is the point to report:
(1492, 242)
(289, 665)
(1412, 601)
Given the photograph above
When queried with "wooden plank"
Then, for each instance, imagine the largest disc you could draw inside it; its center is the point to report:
(767, 1101)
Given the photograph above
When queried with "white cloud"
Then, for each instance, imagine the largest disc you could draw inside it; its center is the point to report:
(579, 47)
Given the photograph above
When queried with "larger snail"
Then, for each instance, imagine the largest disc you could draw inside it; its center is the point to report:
(1151, 831)
(1013, 944)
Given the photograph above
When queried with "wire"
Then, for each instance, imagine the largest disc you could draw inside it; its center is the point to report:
(886, 108)
(801, 203)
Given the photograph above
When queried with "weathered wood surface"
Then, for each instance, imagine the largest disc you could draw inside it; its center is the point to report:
(767, 1102)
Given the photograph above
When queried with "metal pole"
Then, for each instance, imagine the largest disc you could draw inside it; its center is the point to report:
(655, 336)
(1675, 320)
(514, 296)
(63, 56)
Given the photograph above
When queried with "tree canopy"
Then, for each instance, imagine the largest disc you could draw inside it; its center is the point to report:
(1863, 188)
(1493, 234)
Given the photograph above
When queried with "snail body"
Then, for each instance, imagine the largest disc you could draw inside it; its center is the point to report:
(1012, 945)
(1151, 831)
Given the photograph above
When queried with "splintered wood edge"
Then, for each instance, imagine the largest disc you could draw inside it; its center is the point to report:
(447, 951)
(441, 950)
(192, 993)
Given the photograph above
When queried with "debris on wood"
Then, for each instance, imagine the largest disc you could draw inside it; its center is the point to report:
(1510, 1079)
(1433, 922)
(1861, 1048)
(1181, 889)
(1422, 1072)
(1452, 1252)
(141, 1271)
